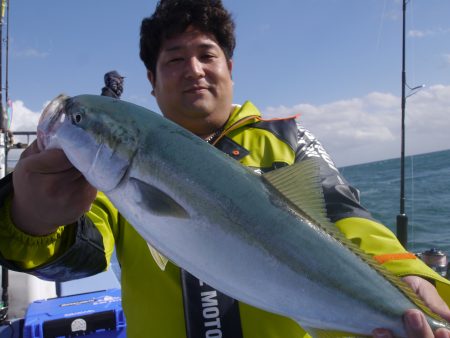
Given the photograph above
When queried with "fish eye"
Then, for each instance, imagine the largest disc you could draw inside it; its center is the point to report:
(77, 118)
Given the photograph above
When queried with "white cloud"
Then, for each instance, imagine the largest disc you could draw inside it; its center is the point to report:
(23, 118)
(355, 130)
(419, 34)
(415, 33)
(31, 53)
(367, 129)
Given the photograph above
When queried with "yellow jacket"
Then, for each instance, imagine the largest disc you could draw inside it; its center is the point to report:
(152, 298)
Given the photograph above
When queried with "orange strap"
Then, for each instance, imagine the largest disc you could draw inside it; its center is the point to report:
(393, 257)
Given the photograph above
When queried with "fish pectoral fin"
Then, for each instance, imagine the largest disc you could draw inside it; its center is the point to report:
(156, 201)
(160, 260)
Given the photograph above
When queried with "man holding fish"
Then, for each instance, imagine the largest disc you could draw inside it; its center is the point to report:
(55, 225)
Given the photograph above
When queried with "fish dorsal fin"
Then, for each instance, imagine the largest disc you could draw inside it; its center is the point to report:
(160, 260)
(300, 185)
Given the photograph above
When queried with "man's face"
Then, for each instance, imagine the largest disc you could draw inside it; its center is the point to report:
(193, 85)
(116, 85)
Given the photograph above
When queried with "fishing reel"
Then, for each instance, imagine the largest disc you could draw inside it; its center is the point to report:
(437, 260)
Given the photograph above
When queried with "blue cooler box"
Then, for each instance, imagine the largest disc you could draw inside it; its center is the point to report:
(94, 314)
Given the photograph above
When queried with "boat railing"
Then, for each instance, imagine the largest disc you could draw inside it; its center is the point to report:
(16, 142)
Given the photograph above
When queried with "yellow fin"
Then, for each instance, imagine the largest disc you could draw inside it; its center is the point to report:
(160, 260)
(300, 185)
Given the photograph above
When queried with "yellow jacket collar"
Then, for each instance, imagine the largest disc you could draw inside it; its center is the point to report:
(243, 115)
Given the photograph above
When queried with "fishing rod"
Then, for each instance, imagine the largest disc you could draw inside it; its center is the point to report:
(4, 302)
(402, 218)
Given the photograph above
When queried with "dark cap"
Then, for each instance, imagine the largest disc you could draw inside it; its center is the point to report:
(113, 75)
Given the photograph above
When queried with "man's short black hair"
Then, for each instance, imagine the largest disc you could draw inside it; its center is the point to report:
(172, 17)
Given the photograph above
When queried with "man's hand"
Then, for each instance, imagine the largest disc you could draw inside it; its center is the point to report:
(416, 325)
(48, 191)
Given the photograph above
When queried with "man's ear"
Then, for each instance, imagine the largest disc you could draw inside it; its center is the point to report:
(230, 66)
(151, 79)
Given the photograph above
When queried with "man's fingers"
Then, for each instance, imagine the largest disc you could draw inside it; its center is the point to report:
(428, 293)
(442, 333)
(416, 325)
(50, 161)
(30, 150)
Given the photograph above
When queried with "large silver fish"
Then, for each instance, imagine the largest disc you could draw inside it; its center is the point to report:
(264, 240)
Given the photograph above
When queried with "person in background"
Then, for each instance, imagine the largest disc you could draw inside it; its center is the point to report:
(56, 226)
(113, 84)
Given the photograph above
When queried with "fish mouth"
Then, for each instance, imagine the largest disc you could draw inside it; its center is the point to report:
(52, 116)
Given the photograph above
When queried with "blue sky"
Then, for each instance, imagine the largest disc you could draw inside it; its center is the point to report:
(336, 62)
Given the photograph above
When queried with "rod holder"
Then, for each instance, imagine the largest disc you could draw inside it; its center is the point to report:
(402, 229)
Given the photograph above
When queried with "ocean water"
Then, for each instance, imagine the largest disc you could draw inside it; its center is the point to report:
(427, 196)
